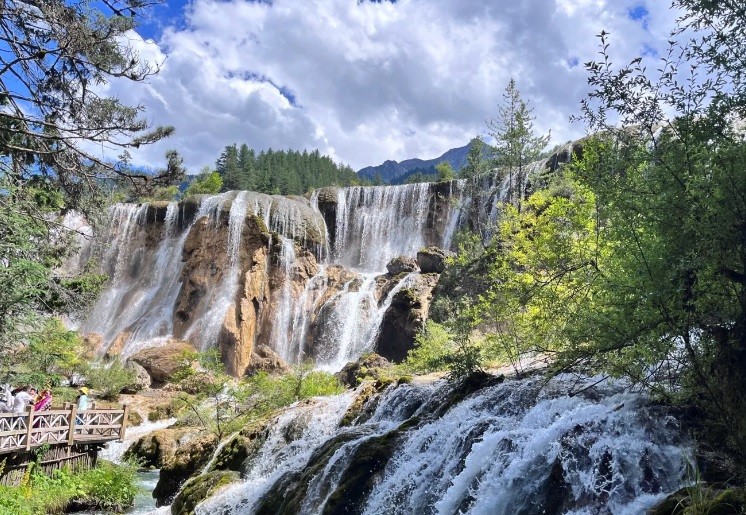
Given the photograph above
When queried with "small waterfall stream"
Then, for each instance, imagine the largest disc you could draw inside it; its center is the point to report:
(520, 447)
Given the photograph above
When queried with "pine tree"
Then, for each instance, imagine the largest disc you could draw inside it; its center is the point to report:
(516, 143)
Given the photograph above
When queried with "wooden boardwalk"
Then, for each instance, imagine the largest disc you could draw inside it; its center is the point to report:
(60, 427)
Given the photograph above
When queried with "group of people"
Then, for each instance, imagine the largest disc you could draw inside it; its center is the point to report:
(16, 400)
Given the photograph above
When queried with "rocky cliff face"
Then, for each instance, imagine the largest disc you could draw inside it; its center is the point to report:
(304, 278)
(211, 271)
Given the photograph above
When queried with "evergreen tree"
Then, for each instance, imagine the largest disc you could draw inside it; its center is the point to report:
(516, 144)
(227, 167)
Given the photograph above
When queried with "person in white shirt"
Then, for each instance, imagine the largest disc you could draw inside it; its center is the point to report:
(23, 399)
(6, 401)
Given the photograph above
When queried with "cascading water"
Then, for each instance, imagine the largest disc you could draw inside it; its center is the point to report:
(282, 337)
(317, 422)
(375, 224)
(207, 328)
(144, 284)
(515, 448)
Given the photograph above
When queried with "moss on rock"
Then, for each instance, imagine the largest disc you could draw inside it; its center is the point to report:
(187, 461)
(200, 488)
(241, 447)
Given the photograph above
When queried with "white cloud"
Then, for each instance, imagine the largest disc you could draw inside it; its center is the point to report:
(365, 82)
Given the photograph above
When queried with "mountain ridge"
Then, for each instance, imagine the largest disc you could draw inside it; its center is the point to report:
(395, 172)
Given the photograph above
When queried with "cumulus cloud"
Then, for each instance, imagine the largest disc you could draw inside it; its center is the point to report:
(369, 81)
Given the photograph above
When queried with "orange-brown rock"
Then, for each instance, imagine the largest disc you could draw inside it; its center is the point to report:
(94, 344)
(163, 362)
(115, 349)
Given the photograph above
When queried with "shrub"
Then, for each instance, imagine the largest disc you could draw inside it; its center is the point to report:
(111, 487)
(432, 347)
(109, 380)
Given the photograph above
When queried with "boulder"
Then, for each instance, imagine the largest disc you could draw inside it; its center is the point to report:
(368, 366)
(242, 447)
(401, 265)
(159, 447)
(200, 488)
(265, 359)
(163, 362)
(142, 378)
(432, 260)
(405, 317)
(94, 343)
(188, 460)
(115, 349)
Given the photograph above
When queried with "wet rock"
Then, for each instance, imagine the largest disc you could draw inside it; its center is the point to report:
(161, 363)
(402, 265)
(366, 392)
(187, 461)
(94, 344)
(115, 349)
(156, 449)
(133, 418)
(142, 378)
(432, 260)
(368, 366)
(200, 488)
(405, 317)
(242, 447)
(265, 359)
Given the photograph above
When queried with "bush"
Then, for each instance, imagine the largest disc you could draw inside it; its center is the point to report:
(109, 380)
(111, 487)
(432, 346)
(108, 487)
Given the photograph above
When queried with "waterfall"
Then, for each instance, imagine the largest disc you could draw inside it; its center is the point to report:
(377, 223)
(455, 212)
(282, 337)
(316, 422)
(352, 321)
(207, 329)
(519, 447)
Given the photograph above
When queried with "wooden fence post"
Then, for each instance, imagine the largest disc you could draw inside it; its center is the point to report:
(71, 424)
(124, 421)
(29, 425)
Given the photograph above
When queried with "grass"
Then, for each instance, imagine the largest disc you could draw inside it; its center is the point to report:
(108, 487)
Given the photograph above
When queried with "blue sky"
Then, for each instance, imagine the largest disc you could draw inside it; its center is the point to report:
(368, 81)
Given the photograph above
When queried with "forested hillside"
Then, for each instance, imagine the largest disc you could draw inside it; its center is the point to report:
(283, 172)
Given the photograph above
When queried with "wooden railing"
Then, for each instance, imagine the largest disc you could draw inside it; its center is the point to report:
(56, 426)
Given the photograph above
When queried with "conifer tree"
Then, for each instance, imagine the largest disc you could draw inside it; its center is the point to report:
(516, 143)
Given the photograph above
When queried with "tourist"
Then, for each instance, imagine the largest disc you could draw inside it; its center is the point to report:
(83, 398)
(6, 401)
(23, 399)
(82, 401)
(44, 402)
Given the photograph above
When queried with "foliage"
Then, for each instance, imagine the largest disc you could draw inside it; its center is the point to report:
(476, 164)
(445, 171)
(109, 487)
(56, 57)
(432, 345)
(516, 144)
(54, 349)
(228, 404)
(280, 172)
(108, 379)
(207, 182)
